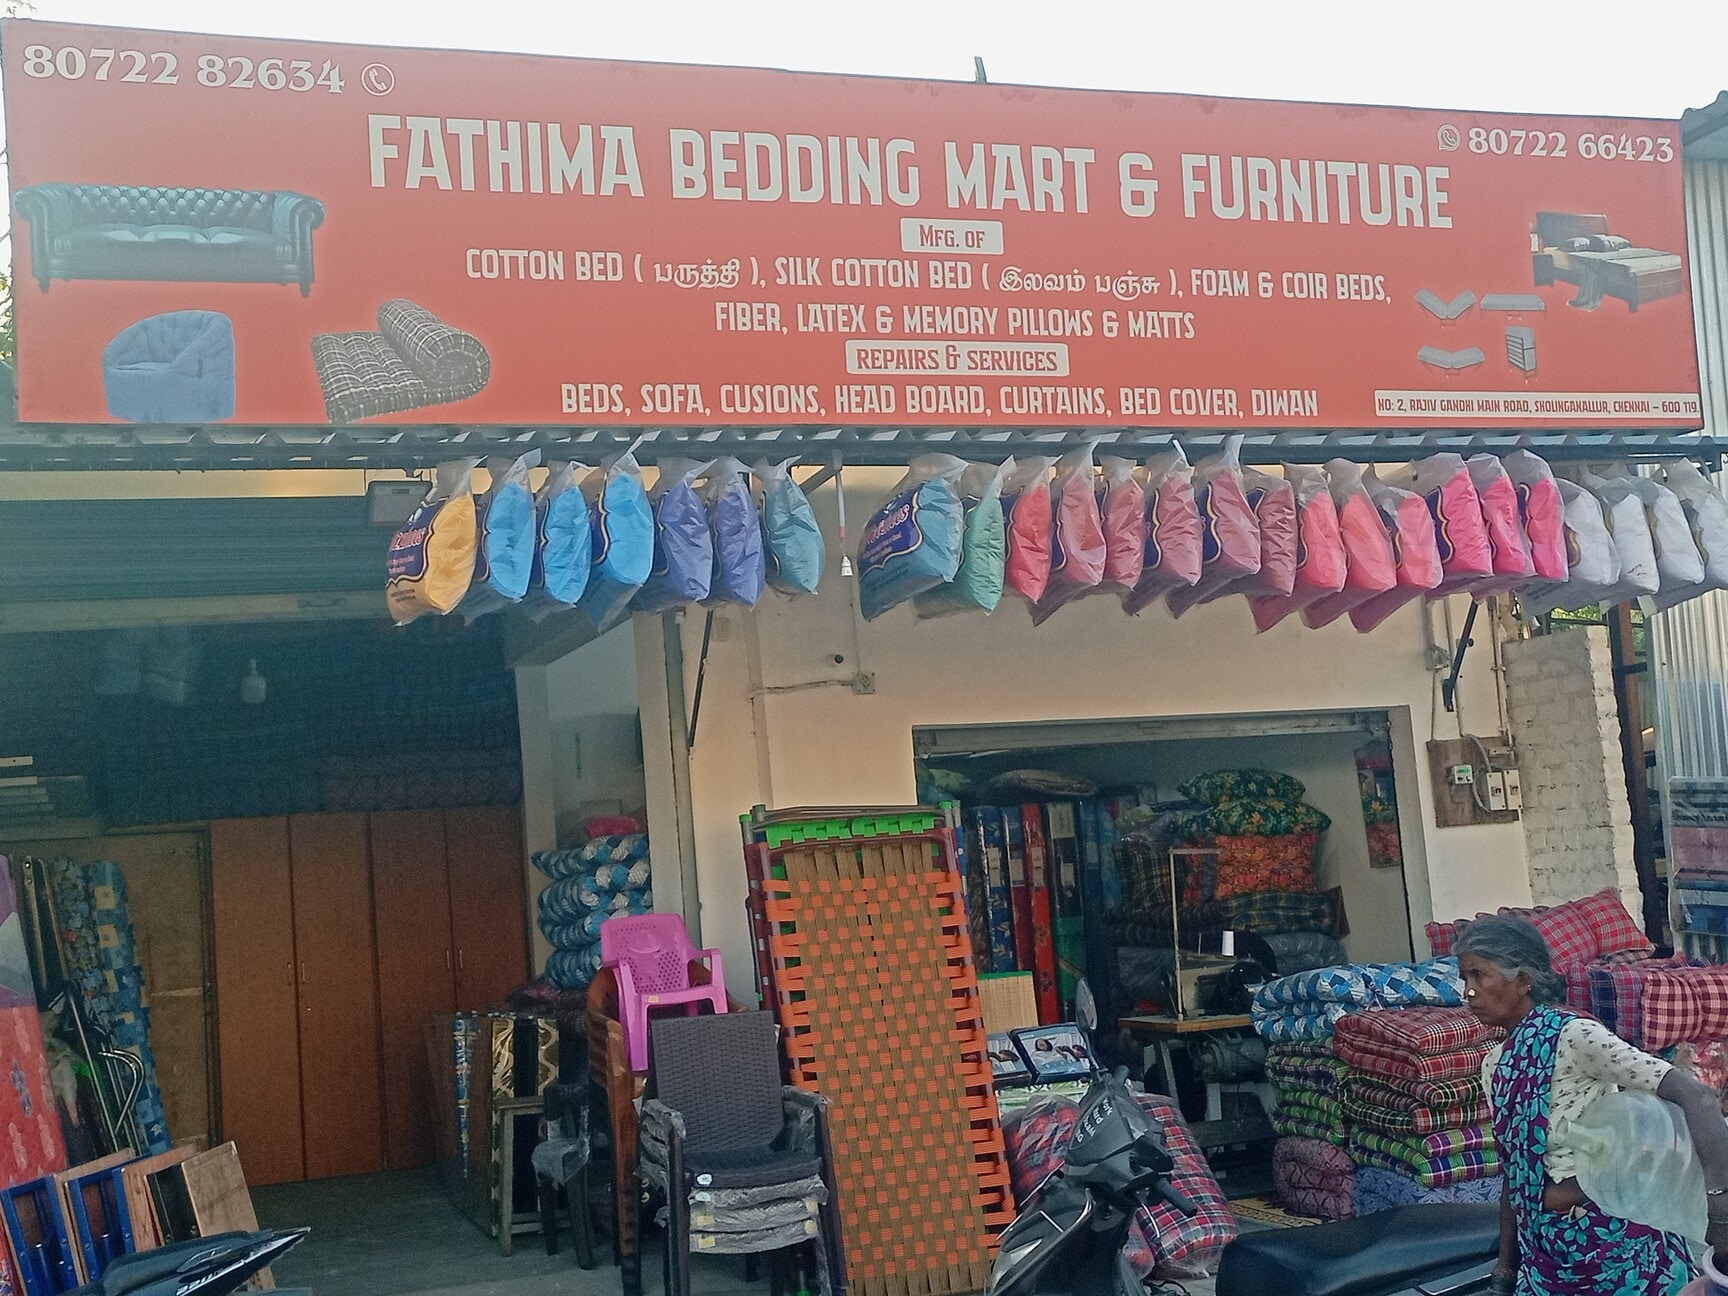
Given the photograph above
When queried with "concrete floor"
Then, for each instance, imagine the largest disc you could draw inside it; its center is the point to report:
(391, 1234)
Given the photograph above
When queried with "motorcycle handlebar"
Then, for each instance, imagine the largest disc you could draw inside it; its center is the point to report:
(1170, 1193)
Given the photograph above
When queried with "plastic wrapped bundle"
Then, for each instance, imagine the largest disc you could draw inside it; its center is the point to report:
(573, 969)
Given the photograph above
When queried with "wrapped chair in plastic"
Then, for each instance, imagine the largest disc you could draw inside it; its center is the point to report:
(743, 1161)
(651, 955)
(565, 1161)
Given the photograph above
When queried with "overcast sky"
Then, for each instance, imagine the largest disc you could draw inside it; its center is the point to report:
(1626, 57)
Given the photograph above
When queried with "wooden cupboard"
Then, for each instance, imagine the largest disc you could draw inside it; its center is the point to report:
(339, 937)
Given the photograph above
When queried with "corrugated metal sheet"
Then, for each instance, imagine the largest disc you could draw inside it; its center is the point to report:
(60, 550)
(1707, 246)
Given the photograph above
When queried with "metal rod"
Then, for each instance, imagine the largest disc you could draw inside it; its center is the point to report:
(1449, 686)
(701, 675)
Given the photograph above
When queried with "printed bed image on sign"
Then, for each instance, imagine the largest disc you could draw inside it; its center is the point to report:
(287, 232)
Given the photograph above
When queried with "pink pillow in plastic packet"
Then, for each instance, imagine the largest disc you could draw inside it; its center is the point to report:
(1174, 545)
(1460, 530)
(1273, 500)
(1077, 547)
(1370, 568)
(1506, 539)
(1229, 531)
(1123, 504)
(1028, 513)
(1542, 513)
(1415, 545)
(1320, 562)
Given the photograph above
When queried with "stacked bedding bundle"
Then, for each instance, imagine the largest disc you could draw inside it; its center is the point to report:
(1413, 1100)
(1308, 1005)
(1307, 1076)
(1313, 1177)
(1378, 1190)
(606, 876)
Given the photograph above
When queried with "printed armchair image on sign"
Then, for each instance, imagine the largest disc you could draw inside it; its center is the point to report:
(92, 231)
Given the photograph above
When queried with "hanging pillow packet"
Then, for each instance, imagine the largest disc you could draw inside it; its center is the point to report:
(912, 543)
(621, 529)
(565, 552)
(1460, 529)
(1273, 500)
(1174, 554)
(1229, 531)
(1370, 568)
(1707, 515)
(740, 566)
(1629, 527)
(1507, 542)
(977, 583)
(1030, 520)
(1679, 564)
(1077, 545)
(683, 566)
(791, 539)
(1122, 505)
(1409, 521)
(505, 525)
(430, 564)
(1320, 561)
(1542, 513)
(1593, 562)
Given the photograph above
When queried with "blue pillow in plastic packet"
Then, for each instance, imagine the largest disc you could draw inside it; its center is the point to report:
(683, 565)
(796, 551)
(508, 533)
(977, 585)
(912, 542)
(565, 551)
(740, 568)
(622, 523)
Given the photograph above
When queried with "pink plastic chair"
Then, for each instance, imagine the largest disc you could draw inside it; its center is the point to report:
(651, 955)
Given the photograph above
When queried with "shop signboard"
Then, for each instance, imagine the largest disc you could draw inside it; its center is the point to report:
(211, 228)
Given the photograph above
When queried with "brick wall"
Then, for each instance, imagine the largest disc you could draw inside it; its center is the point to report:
(1566, 728)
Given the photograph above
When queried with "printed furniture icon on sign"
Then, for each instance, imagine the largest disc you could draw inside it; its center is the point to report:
(173, 368)
(87, 231)
(414, 359)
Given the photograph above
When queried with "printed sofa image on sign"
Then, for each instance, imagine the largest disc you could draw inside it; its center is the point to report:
(86, 231)
(1579, 249)
(414, 360)
(173, 368)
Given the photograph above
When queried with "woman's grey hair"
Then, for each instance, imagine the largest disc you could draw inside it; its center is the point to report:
(1513, 945)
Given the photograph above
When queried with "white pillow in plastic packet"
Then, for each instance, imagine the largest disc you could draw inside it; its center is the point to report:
(1707, 515)
(1629, 526)
(431, 557)
(1592, 561)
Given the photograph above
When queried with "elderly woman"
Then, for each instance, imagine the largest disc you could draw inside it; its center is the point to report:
(1554, 1241)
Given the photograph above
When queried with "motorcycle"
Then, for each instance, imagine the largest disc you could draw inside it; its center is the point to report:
(210, 1266)
(1069, 1236)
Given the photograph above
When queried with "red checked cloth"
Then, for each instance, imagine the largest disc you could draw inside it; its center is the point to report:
(1414, 1043)
(1578, 931)
(1685, 1004)
(1314, 1178)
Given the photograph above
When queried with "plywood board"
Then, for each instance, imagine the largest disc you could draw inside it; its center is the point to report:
(221, 1202)
(140, 1207)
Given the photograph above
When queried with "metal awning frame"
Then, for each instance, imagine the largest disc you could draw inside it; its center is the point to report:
(40, 447)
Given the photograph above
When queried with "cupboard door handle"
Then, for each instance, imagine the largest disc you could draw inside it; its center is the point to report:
(447, 962)
(302, 971)
(461, 964)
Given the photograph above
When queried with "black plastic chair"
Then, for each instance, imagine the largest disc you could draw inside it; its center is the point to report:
(717, 1104)
(564, 1161)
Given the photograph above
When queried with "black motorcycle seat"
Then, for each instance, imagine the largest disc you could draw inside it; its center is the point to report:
(1376, 1253)
(140, 1269)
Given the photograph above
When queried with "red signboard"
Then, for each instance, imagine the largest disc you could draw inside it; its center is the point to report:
(212, 228)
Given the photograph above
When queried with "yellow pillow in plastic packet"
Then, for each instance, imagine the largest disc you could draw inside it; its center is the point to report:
(431, 561)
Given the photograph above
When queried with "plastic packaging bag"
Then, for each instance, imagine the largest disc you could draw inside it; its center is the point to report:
(912, 543)
(1122, 503)
(740, 568)
(1634, 1156)
(683, 566)
(504, 555)
(1030, 520)
(1410, 523)
(1320, 563)
(1229, 532)
(1174, 544)
(1460, 529)
(795, 549)
(1644, 571)
(1273, 500)
(621, 525)
(1541, 511)
(1077, 548)
(1593, 562)
(1707, 515)
(977, 583)
(565, 553)
(1508, 546)
(431, 558)
(1371, 569)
